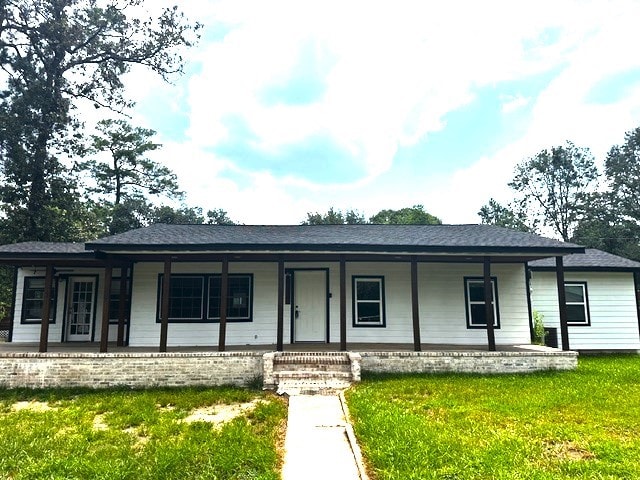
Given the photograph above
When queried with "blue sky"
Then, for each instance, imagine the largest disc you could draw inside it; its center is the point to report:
(289, 107)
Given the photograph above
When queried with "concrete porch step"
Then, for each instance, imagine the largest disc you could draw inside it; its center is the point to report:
(311, 375)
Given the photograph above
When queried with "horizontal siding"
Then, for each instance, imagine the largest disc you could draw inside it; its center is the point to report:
(441, 304)
(612, 307)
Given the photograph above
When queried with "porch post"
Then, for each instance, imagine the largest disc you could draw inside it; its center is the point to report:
(46, 309)
(488, 305)
(343, 304)
(562, 303)
(280, 327)
(106, 300)
(124, 280)
(164, 309)
(224, 293)
(414, 304)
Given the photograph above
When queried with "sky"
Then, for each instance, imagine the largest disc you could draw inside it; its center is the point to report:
(289, 107)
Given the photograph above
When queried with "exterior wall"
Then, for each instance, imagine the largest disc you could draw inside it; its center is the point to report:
(469, 362)
(31, 332)
(441, 303)
(612, 307)
(101, 370)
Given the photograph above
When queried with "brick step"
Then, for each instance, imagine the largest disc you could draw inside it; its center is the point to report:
(311, 367)
(305, 375)
(312, 360)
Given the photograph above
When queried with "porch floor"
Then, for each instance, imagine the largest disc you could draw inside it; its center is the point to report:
(93, 347)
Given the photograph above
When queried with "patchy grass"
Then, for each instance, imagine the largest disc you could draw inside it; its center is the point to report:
(124, 434)
(550, 425)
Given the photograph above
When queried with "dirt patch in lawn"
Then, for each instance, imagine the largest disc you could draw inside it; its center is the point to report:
(568, 451)
(221, 414)
(32, 406)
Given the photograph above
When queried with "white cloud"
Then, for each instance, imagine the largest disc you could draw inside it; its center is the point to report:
(392, 71)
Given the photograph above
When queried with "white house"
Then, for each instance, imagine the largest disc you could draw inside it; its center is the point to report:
(413, 285)
(601, 296)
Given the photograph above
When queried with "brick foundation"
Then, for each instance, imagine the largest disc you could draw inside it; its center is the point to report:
(135, 370)
(468, 362)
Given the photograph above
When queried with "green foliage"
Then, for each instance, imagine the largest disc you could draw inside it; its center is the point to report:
(538, 328)
(128, 174)
(138, 435)
(55, 53)
(622, 168)
(334, 217)
(415, 215)
(495, 214)
(552, 186)
(219, 217)
(548, 425)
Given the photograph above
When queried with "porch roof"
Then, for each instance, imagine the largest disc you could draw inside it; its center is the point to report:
(451, 239)
(592, 260)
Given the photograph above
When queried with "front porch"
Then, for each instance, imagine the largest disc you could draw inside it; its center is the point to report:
(78, 365)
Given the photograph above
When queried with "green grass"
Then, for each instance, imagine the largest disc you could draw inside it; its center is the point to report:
(128, 434)
(550, 425)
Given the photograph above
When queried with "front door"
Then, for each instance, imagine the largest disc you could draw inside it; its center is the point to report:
(80, 308)
(310, 305)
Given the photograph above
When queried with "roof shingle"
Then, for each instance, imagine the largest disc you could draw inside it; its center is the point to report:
(591, 259)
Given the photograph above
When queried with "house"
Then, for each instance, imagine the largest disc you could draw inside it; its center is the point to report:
(413, 285)
(601, 296)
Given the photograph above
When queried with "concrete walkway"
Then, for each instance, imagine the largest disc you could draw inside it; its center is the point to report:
(319, 442)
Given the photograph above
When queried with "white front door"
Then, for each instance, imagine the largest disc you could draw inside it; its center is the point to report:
(80, 308)
(310, 306)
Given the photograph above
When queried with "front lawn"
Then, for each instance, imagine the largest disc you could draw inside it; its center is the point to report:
(551, 425)
(220, 433)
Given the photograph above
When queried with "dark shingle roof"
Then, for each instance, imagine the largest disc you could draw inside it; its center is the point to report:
(592, 259)
(45, 248)
(426, 238)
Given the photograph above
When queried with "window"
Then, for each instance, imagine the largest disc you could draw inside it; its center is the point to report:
(474, 297)
(186, 298)
(238, 299)
(32, 300)
(368, 302)
(196, 298)
(577, 303)
(114, 299)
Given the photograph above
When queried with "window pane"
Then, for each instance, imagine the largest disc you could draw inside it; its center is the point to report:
(368, 312)
(185, 299)
(478, 314)
(476, 291)
(114, 302)
(368, 290)
(576, 314)
(238, 300)
(574, 293)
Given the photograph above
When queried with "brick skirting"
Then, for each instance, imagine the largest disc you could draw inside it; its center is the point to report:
(135, 370)
(467, 362)
(140, 370)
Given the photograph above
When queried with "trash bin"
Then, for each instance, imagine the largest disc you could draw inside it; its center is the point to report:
(551, 337)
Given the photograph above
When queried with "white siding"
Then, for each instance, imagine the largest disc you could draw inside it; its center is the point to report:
(441, 291)
(441, 303)
(612, 307)
(28, 333)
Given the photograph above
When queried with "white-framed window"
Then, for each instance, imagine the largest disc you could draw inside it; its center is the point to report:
(368, 301)
(475, 305)
(577, 303)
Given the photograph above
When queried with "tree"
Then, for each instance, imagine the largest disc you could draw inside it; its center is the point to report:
(604, 228)
(219, 216)
(334, 217)
(495, 214)
(622, 169)
(56, 53)
(415, 215)
(128, 173)
(553, 184)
